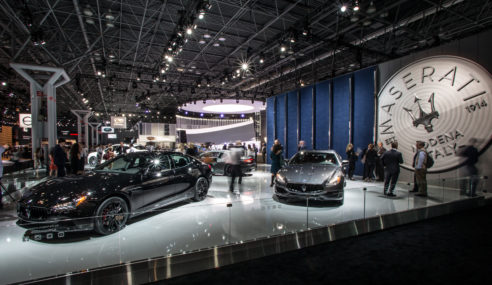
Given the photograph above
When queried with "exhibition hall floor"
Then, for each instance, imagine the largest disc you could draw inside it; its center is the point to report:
(223, 218)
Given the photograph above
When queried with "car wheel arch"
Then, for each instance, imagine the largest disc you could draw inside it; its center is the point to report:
(119, 195)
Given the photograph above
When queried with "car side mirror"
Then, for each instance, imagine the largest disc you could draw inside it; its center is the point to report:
(345, 163)
(286, 161)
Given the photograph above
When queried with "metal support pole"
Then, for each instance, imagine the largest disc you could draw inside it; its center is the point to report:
(49, 90)
(82, 115)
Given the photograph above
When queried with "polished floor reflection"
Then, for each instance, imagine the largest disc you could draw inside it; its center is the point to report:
(223, 218)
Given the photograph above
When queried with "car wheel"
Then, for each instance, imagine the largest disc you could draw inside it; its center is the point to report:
(201, 189)
(111, 216)
(92, 161)
(227, 170)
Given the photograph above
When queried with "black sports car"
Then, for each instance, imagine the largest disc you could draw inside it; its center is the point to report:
(312, 174)
(105, 198)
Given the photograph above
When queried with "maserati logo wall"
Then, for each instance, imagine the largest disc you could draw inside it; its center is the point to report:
(443, 101)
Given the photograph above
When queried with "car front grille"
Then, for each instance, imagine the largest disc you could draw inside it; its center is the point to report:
(32, 213)
(308, 187)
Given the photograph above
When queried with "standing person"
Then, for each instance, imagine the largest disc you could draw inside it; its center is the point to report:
(38, 156)
(3, 148)
(276, 156)
(379, 164)
(391, 161)
(469, 171)
(99, 150)
(301, 146)
(369, 159)
(60, 157)
(352, 157)
(76, 159)
(131, 149)
(235, 154)
(84, 153)
(421, 169)
(263, 152)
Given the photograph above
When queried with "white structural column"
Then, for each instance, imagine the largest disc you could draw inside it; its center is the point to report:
(95, 134)
(82, 115)
(49, 90)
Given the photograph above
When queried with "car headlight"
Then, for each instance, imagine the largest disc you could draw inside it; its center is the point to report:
(336, 178)
(70, 205)
(281, 179)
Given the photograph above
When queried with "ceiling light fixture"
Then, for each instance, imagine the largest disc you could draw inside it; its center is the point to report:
(371, 9)
(356, 5)
(343, 8)
(189, 31)
(245, 66)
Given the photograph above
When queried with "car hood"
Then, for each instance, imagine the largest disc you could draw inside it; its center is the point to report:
(308, 173)
(64, 189)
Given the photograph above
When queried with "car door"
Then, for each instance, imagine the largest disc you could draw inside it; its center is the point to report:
(184, 172)
(219, 166)
(158, 179)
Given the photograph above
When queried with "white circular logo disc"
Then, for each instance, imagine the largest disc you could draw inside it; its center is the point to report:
(443, 101)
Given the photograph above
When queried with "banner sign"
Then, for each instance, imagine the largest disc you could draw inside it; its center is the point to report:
(107, 130)
(443, 101)
(25, 121)
(118, 122)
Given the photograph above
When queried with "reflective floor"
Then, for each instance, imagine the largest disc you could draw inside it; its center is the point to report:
(223, 218)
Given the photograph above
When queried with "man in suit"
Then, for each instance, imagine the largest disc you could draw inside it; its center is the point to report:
(421, 169)
(60, 157)
(391, 160)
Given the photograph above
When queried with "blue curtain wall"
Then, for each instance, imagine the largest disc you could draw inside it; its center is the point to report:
(280, 118)
(270, 118)
(291, 123)
(322, 114)
(363, 111)
(306, 116)
(341, 114)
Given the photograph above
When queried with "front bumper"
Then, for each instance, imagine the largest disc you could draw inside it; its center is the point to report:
(311, 192)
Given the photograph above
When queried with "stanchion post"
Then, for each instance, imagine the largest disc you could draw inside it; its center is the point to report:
(365, 190)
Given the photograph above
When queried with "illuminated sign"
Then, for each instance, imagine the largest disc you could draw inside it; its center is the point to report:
(25, 120)
(442, 101)
(118, 122)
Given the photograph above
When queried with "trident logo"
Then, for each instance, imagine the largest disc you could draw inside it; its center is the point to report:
(424, 117)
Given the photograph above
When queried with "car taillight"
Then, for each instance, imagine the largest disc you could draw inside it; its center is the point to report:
(249, 160)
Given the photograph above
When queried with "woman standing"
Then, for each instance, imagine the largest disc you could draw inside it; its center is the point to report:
(75, 159)
(276, 156)
(352, 157)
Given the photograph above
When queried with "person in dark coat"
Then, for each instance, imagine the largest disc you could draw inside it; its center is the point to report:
(235, 154)
(76, 159)
(391, 161)
(469, 172)
(276, 156)
(60, 157)
(379, 164)
(352, 157)
(369, 156)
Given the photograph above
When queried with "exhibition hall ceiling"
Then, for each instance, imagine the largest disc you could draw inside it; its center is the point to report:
(133, 56)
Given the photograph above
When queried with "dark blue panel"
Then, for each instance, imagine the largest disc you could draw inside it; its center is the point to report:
(280, 118)
(270, 117)
(322, 114)
(307, 115)
(291, 123)
(363, 108)
(341, 106)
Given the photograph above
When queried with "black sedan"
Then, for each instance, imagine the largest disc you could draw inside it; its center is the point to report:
(105, 198)
(312, 174)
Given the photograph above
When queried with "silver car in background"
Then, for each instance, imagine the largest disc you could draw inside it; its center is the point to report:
(312, 174)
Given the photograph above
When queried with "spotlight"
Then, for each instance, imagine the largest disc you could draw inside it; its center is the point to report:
(282, 48)
(245, 66)
(222, 115)
(356, 5)
(4, 83)
(201, 114)
(262, 58)
(343, 8)
(189, 31)
(139, 76)
(170, 59)
(201, 14)
(242, 115)
(163, 70)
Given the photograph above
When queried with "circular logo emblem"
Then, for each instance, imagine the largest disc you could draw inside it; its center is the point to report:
(443, 101)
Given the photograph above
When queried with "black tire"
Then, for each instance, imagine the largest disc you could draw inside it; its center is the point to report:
(227, 170)
(111, 216)
(92, 161)
(201, 189)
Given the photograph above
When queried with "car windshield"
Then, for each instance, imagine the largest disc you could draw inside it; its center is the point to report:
(124, 164)
(314, 157)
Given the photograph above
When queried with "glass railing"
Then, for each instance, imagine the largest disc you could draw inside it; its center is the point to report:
(36, 251)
